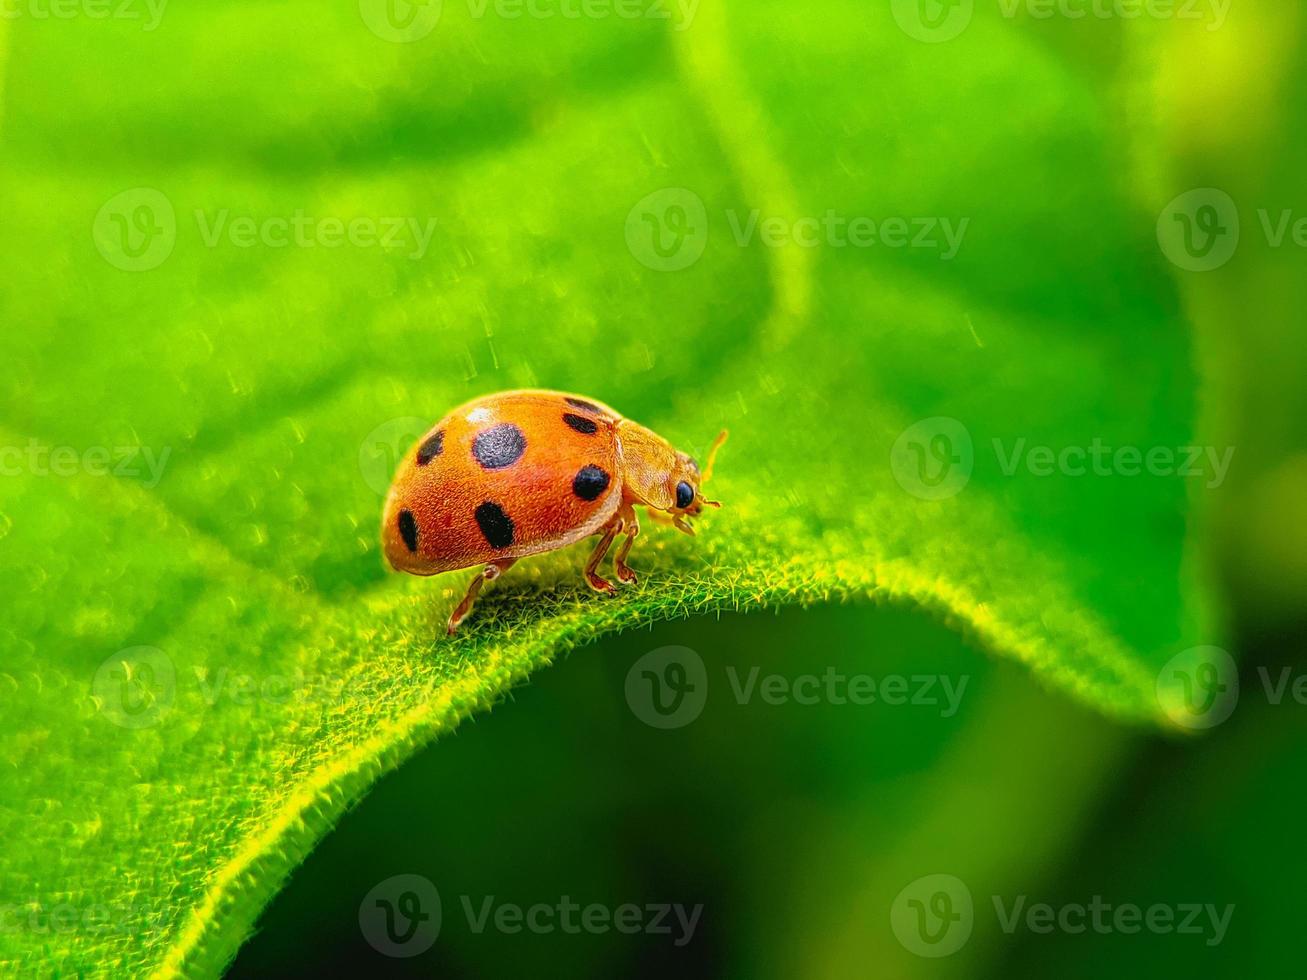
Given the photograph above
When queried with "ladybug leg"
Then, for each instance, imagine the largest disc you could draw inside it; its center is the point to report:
(593, 579)
(487, 574)
(671, 520)
(624, 573)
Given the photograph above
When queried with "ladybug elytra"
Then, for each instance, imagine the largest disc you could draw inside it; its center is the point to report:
(524, 472)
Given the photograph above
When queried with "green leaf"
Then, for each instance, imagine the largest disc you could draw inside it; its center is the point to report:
(205, 661)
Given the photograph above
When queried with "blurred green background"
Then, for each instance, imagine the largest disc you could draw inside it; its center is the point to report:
(796, 826)
(1077, 138)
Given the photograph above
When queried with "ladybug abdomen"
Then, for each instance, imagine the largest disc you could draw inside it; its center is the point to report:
(504, 476)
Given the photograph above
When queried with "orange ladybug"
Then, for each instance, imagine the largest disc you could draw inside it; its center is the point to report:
(524, 472)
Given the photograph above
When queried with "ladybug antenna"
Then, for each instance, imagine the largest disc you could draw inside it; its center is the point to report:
(712, 456)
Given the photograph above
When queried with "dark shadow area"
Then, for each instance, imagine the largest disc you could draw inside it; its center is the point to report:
(579, 829)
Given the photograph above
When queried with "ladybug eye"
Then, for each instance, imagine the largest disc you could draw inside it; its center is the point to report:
(684, 495)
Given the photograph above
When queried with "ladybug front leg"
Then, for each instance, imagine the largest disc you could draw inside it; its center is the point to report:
(624, 573)
(593, 579)
(487, 574)
(671, 520)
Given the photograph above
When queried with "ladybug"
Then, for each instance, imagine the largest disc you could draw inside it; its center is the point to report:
(524, 472)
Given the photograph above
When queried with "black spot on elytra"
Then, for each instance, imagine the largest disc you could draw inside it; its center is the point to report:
(499, 446)
(581, 424)
(495, 524)
(408, 530)
(584, 405)
(590, 482)
(432, 447)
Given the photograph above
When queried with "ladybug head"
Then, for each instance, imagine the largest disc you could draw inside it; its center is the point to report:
(689, 500)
